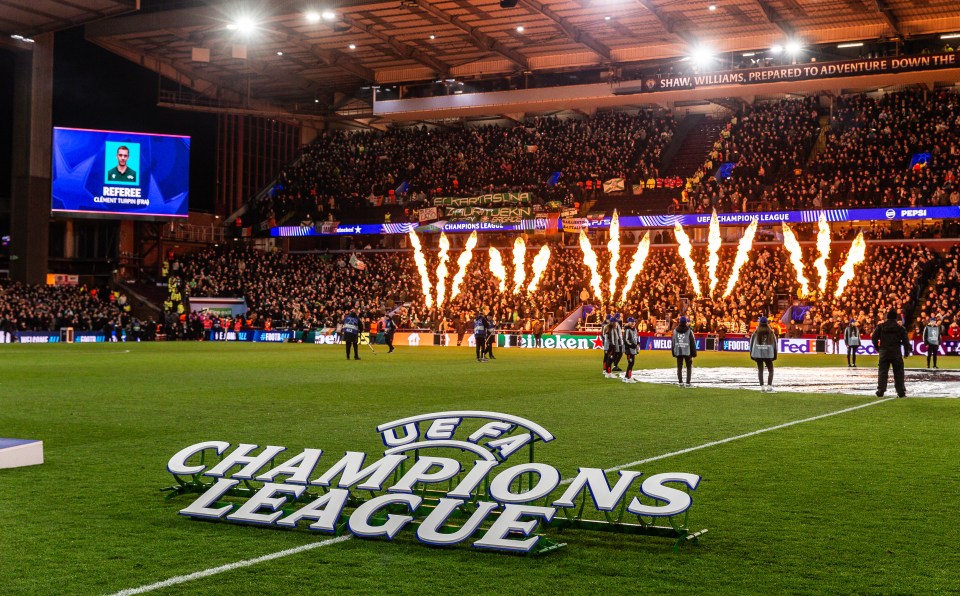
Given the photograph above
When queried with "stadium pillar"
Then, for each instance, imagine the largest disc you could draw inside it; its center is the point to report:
(32, 137)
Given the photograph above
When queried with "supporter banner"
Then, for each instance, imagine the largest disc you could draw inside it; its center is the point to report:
(426, 214)
(613, 185)
(794, 72)
(491, 200)
(777, 217)
(58, 279)
(644, 221)
(490, 214)
(575, 224)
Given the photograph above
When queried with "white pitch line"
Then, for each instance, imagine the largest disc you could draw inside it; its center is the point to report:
(180, 579)
(738, 437)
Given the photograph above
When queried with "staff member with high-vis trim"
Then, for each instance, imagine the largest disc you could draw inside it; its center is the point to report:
(351, 334)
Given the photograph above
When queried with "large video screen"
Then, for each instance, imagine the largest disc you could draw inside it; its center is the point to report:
(120, 174)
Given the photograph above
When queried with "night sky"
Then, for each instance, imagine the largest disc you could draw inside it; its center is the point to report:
(96, 89)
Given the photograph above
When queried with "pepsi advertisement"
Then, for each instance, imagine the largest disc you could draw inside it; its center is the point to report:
(120, 174)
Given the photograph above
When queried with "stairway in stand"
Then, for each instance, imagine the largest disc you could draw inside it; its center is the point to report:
(694, 148)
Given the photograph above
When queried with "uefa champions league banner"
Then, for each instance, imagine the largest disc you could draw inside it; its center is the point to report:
(636, 221)
(494, 500)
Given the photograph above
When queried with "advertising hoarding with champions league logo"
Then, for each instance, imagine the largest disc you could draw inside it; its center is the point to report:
(494, 495)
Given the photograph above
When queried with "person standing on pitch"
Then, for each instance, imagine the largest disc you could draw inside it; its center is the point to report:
(630, 345)
(851, 337)
(460, 325)
(931, 339)
(684, 350)
(617, 343)
(606, 333)
(351, 334)
(389, 328)
(491, 338)
(763, 351)
(890, 338)
(480, 328)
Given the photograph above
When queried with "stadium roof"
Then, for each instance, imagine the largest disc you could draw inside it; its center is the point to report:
(26, 18)
(279, 53)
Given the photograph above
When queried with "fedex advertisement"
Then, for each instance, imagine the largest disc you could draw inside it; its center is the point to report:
(120, 174)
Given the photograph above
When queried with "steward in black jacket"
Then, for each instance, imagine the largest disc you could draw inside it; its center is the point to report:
(889, 338)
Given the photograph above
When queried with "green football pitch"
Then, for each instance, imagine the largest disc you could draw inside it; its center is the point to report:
(862, 501)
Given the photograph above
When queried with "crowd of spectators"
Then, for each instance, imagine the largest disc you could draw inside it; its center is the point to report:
(50, 308)
(315, 291)
(895, 149)
(943, 302)
(410, 165)
(767, 142)
(310, 291)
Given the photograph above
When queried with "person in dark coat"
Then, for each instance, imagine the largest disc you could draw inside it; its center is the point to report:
(630, 346)
(684, 350)
(889, 338)
(389, 328)
(351, 334)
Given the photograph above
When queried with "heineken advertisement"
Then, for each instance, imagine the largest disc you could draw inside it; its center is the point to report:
(489, 214)
(628, 222)
(484, 488)
(794, 72)
(490, 200)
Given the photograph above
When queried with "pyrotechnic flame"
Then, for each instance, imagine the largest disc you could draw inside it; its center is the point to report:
(858, 251)
(462, 261)
(590, 260)
(613, 246)
(497, 268)
(539, 266)
(714, 242)
(685, 251)
(421, 267)
(442, 269)
(636, 266)
(796, 257)
(823, 247)
(743, 251)
(519, 257)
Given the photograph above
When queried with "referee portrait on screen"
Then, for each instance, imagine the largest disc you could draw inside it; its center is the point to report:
(122, 173)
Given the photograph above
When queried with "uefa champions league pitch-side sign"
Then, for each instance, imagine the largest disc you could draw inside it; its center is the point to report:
(489, 501)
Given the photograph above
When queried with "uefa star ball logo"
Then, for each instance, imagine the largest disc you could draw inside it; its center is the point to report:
(449, 475)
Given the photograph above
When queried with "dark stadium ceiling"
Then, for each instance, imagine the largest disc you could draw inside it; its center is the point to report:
(27, 18)
(287, 53)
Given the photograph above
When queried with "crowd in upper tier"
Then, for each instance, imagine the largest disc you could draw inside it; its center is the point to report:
(887, 149)
(341, 171)
(896, 149)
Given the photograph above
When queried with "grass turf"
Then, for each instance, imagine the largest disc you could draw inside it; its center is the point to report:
(862, 502)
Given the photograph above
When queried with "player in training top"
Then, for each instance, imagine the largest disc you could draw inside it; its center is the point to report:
(122, 173)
